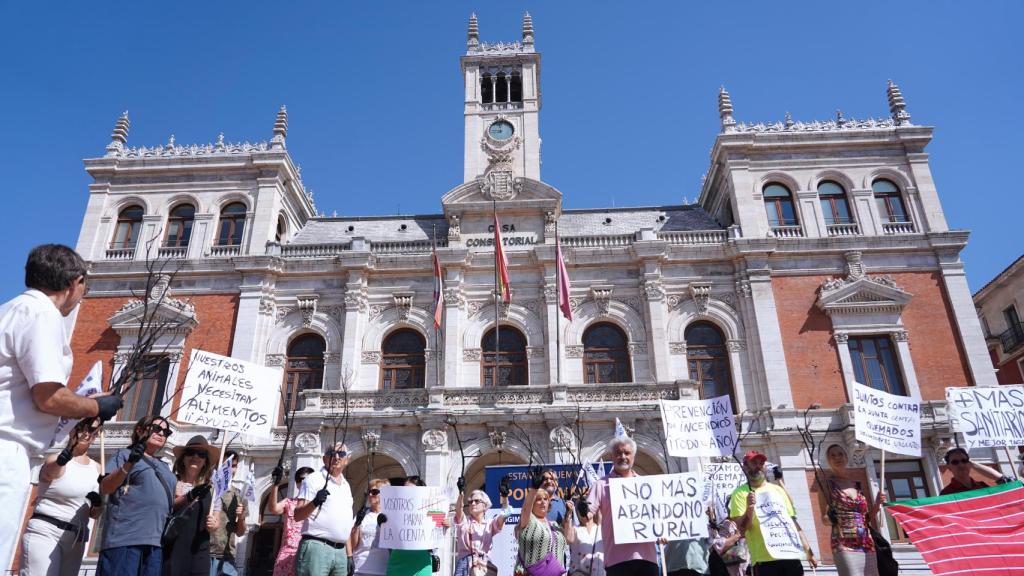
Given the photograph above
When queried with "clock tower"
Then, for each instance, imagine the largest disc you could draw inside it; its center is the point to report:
(502, 81)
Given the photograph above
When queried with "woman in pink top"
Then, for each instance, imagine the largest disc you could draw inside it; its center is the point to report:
(284, 565)
(474, 534)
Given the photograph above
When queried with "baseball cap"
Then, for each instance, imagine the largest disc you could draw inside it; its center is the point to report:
(754, 455)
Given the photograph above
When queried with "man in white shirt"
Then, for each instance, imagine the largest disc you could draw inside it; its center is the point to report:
(35, 363)
(325, 504)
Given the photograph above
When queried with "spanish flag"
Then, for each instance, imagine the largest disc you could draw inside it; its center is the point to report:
(501, 265)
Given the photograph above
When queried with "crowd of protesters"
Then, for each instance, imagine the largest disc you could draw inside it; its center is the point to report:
(168, 520)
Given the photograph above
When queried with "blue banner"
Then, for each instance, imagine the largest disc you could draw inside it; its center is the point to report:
(519, 480)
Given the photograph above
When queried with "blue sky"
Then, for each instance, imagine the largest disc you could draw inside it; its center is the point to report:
(374, 96)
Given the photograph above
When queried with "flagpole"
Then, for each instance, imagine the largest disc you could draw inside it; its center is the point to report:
(558, 313)
(438, 335)
(220, 462)
(495, 378)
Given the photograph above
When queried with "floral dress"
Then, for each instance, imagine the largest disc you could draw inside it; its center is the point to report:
(851, 532)
(285, 563)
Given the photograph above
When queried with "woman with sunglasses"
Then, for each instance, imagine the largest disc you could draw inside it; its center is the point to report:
(141, 489)
(367, 556)
(474, 535)
(187, 552)
(959, 463)
(284, 564)
(55, 537)
(849, 513)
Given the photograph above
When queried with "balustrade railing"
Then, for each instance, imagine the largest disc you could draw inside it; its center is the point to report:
(314, 250)
(694, 237)
(787, 231)
(597, 241)
(172, 252)
(406, 247)
(898, 227)
(222, 251)
(120, 253)
(843, 229)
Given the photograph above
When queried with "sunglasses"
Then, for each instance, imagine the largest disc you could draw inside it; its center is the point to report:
(474, 501)
(337, 453)
(374, 492)
(164, 431)
(189, 452)
(958, 462)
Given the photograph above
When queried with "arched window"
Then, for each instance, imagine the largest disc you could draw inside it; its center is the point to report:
(179, 226)
(515, 88)
(834, 204)
(282, 227)
(890, 202)
(487, 89)
(403, 360)
(129, 223)
(605, 354)
(709, 361)
(510, 360)
(778, 204)
(501, 88)
(304, 369)
(232, 224)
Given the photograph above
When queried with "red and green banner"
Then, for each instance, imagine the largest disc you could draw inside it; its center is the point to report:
(975, 532)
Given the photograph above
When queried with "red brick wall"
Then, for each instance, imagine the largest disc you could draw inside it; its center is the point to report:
(814, 371)
(1009, 372)
(94, 339)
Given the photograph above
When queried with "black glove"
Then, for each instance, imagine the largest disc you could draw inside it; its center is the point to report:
(833, 516)
(582, 508)
(277, 475)
(381, 518)
(136, 452)
(198, 492)
(107, 406)
(94, 499)
(64, 457)
(361, 515)
(461, 484)
(351, 567)
(536, 477)
(321, 497)
(504, 488)
(99, 479)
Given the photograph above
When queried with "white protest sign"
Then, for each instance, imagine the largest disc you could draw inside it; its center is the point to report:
(230, 394)
(415, 517)
(777, 527)
(886, 421)
(719, 482)
(645, 508)
(699, 427)
(988, 416)
(93, 384)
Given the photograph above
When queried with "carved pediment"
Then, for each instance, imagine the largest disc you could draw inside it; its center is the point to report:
(178, 316)
(470, 195)
(863, 295)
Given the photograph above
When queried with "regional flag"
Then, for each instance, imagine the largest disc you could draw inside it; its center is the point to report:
(975, 532)
(562, 278)
(438, 290)
(501, 264)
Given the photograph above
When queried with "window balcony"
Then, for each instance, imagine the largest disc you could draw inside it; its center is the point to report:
(851, 229)
(1012, 338)
(898, 228)
(223, 251)
(490, 106)
(172, 252)
(120, 253)
(787, 232)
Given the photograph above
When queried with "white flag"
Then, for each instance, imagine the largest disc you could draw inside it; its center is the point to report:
(620, 430)
(250, 484)
(93, 384)
(221, 482)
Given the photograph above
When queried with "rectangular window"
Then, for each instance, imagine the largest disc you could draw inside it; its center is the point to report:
(875, 364)
(904, 480)
(147, 393)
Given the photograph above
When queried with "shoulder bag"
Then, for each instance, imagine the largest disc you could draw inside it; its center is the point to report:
(887, 565)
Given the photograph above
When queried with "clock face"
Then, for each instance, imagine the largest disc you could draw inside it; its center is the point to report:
(500, 130)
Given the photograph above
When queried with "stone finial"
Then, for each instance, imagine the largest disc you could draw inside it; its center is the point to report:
(280, 130)
(169, 147)
(725, 110)
(788, 122)
(473, 33)
(840, 119)
(119, 137)
(897, 106)
(527, 29)
(219, 146)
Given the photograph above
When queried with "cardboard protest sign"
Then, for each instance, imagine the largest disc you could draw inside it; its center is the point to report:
(777, 527)
(230, 394)
(886, 421)
(415, 517)
(719, 482)
(645, 508)
(988, 416)
(699, 427)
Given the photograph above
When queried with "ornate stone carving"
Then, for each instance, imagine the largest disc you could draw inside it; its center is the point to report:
(743, 288)
(332, 357)
(736, 345)
(858, 453)
(854, 265)
(334, 312)
(159, 288)
(677, 348)
(841, 338)
(371, 356)
(453, 297)
(121, 357)
(574, 303)
(274, 360)
(602, 296)
(562, 437)
(844, 124)
(307, 444)
(551, 294)
(192, 150)
(403, 301)
(941, 445)
(282, 313)
(498, 181)
(435, 439)
(267, 306)
(654, 291)
(497, 438)
(503, 309)
(574, 351)
(900, 336)
(534, 351)
(636, 348)
(370, 438)
(701, 294)
(355, 300)
(307, 307)
(377, 310)
(471, 354)
(550, 220)
(454, 228)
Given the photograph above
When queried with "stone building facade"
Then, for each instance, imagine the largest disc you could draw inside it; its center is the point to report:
(817, 254)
